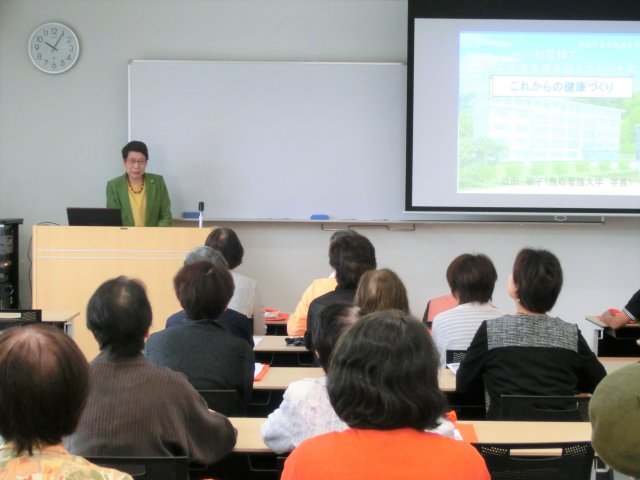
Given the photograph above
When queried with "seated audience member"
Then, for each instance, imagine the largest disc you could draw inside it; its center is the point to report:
(233, 321)
(383, 383)
(44, 383)
(350, 256)
(436, 306)
(206, 352)
(136, 408)
(381, 290)
(614, 411)
(631, 312)
(471, 279)
(246, 297)
(297, 321)
(305, 410)
(529, 353)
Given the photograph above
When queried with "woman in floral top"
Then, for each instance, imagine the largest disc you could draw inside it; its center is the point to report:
(44, 382)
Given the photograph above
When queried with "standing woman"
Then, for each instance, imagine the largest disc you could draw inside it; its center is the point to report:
(142, 197)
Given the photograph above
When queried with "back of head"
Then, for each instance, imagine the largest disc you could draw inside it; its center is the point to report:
(205, 254)
(332, 322)
(351, 256)
(119, 316)
(44, 383)
(135, 146)
(472, 278)
(614, 411)
(383, 374)
(203, 289)
(537, 277)
(381, 290)
(226, 242)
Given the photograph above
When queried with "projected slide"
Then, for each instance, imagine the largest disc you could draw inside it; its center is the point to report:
(548, 113)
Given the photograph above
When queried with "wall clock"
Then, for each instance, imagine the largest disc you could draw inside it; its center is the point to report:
(53, 47)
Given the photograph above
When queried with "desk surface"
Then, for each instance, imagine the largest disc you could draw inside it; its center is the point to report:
(279, 378)
(595, 319)
(276, 343)
(59, 315)
(611, 364)
(250, 441)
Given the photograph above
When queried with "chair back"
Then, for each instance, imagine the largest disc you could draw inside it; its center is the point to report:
(455, 356)
(574, 462)
(544, 408)
(226, 402)
(147, 468)
(19, 318)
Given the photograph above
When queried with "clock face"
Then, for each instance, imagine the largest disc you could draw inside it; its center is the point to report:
(53, 47)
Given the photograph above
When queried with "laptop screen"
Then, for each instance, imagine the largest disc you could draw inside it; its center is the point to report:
(90, 217)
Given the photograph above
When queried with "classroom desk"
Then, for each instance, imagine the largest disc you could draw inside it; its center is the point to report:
(279, 378)
(276, 343)
(619, 342)
(276, 327)
(250, 441)
(611, 364)
(273, 350)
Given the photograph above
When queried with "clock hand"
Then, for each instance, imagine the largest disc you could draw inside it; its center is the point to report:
(58, 41)
(53, 48)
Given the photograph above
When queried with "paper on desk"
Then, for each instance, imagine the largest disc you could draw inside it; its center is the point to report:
(256, 341)
(259, 371)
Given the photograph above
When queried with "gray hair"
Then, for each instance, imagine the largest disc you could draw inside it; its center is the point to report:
(205, 254)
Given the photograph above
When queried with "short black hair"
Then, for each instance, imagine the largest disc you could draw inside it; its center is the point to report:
(332, 322)
(203, 289)
(381, 290)
(383, 374)
(226, 242)
(537, 277)
(119, 316)
(351, 256)
(44, 384)
(472, 278)
(135, 146)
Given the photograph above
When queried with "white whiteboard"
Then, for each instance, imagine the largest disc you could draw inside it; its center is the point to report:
(262, 140)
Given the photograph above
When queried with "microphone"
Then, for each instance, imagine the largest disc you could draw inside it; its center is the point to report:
(200, 209)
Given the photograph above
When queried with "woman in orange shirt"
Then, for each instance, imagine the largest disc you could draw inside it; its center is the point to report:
(383, 382)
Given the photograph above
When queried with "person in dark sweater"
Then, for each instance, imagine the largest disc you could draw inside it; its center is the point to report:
(529, 353)
(206, 352)
(350, 256)
(237, 323)
(136, 408)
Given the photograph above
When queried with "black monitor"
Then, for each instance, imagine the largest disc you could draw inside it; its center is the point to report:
(90, 217)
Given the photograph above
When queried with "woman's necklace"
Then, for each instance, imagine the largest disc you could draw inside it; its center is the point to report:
(133, 189)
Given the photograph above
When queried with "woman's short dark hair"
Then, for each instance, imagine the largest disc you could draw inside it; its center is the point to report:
(381, 290)
(44, 384)
(537, 277)
(351, 256)
(383, 374)
(332, 322)
(119, 316)
(472, 278)
(135, 146)
(226, 242)
(203, 289)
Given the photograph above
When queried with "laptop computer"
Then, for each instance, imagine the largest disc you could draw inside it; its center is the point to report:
(91, 217)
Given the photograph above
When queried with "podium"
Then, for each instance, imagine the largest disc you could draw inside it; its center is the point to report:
(69, 263)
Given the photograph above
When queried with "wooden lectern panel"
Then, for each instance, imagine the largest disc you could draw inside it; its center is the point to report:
(69, 263)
